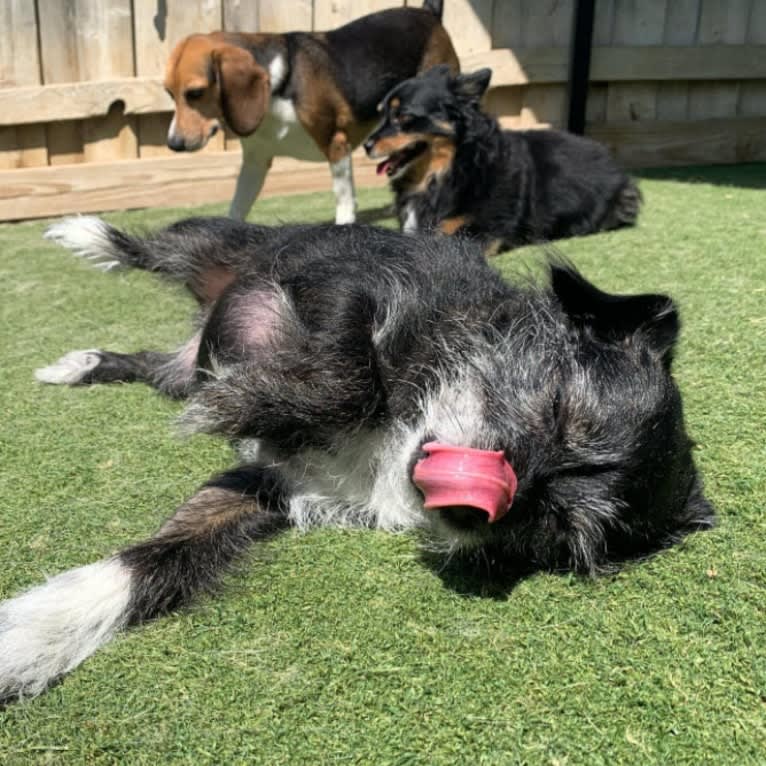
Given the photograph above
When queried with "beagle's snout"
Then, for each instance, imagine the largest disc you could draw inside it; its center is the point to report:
(176, 143)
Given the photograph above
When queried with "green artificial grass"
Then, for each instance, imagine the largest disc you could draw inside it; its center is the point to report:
(347, 647)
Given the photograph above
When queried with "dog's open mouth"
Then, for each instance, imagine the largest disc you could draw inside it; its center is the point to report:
(398, 160)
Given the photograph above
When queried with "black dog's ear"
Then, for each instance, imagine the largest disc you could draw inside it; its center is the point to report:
(472, 86)
(618, 317)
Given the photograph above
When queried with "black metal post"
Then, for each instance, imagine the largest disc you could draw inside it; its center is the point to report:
(579, 64)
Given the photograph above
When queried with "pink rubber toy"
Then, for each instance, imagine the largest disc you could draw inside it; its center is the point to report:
(452, 476)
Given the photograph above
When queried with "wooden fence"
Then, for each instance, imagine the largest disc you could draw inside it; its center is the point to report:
(83, 116)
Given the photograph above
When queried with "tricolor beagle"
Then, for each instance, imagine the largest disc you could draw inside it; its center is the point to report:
(312, 96)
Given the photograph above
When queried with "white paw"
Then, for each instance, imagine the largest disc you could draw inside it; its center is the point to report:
(71, 368)
(87, 237)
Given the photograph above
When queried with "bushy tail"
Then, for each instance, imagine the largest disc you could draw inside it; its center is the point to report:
(203, 253)
(103, 245)
(435, 6)
(49, 630)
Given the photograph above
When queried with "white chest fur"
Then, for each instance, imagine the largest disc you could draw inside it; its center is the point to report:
(281, 134)
(365, 483)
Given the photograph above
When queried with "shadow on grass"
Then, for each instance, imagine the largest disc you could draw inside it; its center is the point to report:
(481, 575)
(750, 175)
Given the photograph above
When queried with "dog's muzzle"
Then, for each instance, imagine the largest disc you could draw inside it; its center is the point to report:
(450, 477)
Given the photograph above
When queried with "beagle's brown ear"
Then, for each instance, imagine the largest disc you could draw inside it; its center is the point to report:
(245, 88)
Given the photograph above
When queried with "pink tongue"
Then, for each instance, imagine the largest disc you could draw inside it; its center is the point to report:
(382, 167)
(452, 476)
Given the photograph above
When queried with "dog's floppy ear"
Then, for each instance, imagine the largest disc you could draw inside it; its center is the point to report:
(618, 317)
(472, 86)
(245, 88)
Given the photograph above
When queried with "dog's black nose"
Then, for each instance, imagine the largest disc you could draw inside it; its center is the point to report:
(464, 517)
(176, 143)
(368, 144)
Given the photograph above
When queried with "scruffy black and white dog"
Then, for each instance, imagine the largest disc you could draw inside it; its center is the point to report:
(370, 378)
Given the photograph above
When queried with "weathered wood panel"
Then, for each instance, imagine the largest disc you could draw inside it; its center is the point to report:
(524, 66)
(83, 40)
(329, 14)
(469, 23)
(752, 95)
(719, 22)
(653, 143)
(159, 181)
(281, 16)
(641, 23)
(21, 146)
(240, 15)
(681, 20)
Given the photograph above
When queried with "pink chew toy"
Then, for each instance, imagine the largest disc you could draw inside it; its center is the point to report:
(454, 476)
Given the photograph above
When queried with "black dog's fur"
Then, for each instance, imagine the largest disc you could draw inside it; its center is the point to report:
(331, 357)
(452, 167)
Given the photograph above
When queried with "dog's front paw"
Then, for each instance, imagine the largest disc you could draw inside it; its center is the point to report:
(71, 369)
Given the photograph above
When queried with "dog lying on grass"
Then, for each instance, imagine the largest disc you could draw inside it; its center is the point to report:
(375, 379)
(452, 168)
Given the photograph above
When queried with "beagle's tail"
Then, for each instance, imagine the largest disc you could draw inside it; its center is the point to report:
(435, 6)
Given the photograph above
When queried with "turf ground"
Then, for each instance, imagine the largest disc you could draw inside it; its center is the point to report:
(346, 647)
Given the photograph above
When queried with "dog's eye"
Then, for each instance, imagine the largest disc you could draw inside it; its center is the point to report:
(194, 94)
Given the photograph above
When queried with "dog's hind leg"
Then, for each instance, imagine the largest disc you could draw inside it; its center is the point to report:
(49, 630)
(171, 373)
(205, 254)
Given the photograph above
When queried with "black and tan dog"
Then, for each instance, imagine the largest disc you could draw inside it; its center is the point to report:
(453, 168)
(312, 96)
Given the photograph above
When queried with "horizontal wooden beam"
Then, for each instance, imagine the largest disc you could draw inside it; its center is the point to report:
(191, 179)
(205, 178)
(656, 143)
(699, 62)
(79, 100)
(522, 66)
(542, 66)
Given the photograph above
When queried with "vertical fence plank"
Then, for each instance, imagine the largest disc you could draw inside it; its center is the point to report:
(23, 145)
(505, 32)
(603, 22)
(105, 50)
(752, 95)
(96, 44)
(636, 22)
(58, 35)
(279, 16)
(469, 23)
(240, 15)
(157, 28)
(329, 14)
(680, 29)
(719, 22)
(546, 23)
